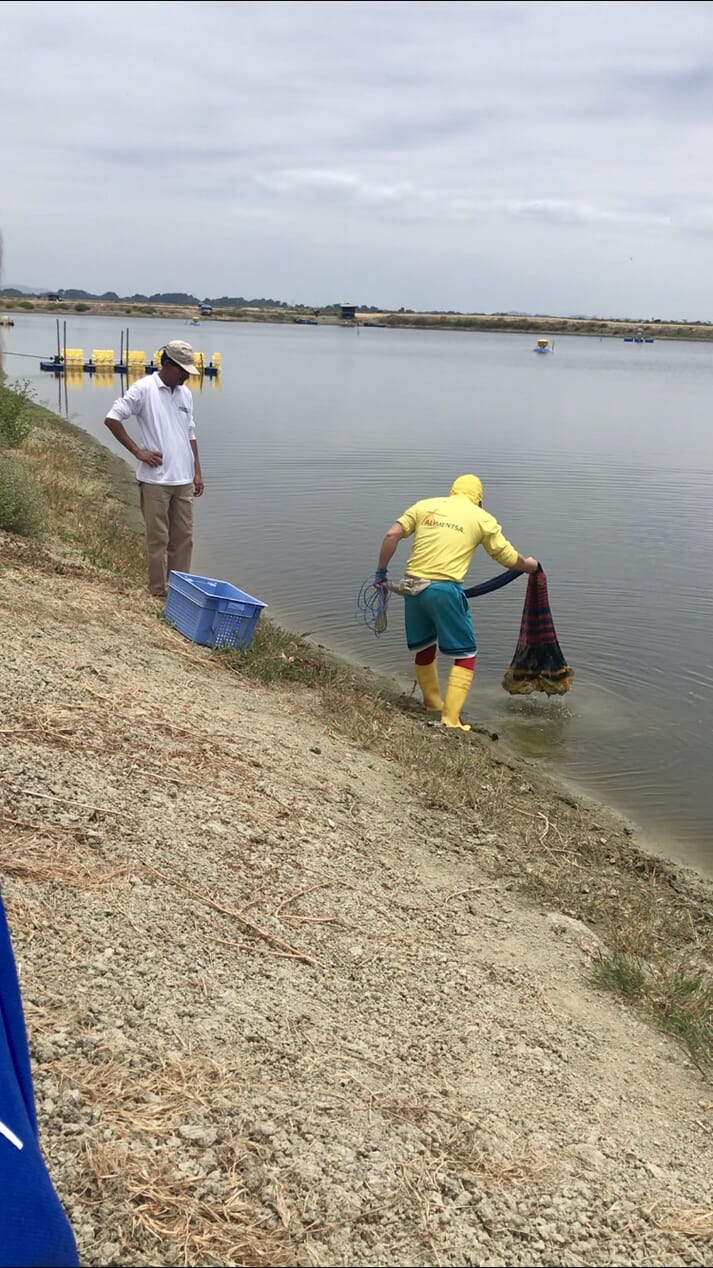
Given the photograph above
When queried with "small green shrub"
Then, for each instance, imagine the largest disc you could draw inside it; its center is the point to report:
(81, 308)
(680, 998)
(621, 974)
(15, 414)
(21, 509)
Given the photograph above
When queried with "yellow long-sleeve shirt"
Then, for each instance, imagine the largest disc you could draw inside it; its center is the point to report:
(446, 532)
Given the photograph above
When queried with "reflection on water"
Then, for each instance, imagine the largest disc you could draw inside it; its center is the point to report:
(598, 460)
(115, 384)
(101, 381)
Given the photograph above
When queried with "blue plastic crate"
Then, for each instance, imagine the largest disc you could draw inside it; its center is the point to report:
(214, 613)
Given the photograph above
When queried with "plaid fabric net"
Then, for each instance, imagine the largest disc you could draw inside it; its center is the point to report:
(538, 663)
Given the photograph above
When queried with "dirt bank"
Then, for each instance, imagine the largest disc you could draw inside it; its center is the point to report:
(283, 1009)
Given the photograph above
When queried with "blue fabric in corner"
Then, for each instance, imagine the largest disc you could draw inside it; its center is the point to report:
(34, 1230)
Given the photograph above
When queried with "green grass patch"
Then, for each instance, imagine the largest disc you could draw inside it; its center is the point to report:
(683, 1003)
(15, 414)
(679, 998)
(59, 481)
(276, 656)
(21, 507)
(622, 975)
(107, 543)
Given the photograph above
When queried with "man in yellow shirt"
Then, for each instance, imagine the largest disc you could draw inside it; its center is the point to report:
(446, 532)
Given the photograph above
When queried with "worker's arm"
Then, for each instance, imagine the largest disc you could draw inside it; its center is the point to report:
(388, 546)
(151, 457)
(198, 485)
(500, 549)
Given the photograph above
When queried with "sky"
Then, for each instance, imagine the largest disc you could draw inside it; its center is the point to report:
(480, 157)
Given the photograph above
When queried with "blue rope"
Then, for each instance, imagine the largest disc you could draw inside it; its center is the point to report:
(372, 602)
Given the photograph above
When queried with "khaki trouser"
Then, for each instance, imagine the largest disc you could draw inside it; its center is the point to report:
(168, 515)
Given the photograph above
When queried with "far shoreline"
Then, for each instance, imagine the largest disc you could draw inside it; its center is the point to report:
(538, 326)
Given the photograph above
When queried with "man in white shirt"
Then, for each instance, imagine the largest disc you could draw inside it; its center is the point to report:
(169, 469)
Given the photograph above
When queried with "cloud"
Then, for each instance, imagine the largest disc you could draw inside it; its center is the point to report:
(447, 204)
(560, 211)
(347, 184)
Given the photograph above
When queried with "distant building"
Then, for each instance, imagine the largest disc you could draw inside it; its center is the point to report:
(53, 296)
(347, 312)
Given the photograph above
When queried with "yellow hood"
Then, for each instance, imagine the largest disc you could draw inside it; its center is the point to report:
(468, 486)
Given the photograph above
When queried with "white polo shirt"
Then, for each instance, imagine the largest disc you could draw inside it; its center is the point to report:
(165, 418)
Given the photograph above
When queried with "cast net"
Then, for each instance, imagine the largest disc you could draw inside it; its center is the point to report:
(538, 663)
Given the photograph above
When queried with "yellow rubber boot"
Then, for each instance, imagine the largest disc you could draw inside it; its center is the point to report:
(460, 681)
(427, 679)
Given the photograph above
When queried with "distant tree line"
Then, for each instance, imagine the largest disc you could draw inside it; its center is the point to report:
(160, 297)
(183, 298)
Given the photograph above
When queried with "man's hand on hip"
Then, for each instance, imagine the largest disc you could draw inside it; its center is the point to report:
(151, 457)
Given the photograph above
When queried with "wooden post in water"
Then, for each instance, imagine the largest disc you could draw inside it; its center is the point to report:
(64, 335)
(121, 349)
(59, 350)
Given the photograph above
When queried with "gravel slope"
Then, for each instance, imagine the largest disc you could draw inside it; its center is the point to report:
(281, 1011)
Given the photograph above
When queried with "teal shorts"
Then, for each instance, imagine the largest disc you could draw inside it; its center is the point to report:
(440, 614)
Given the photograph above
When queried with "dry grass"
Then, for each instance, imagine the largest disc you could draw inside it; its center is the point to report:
(134, 1164)
(150, 1101)
(455, 1141)
(163, 1217)
(53, 853)
(84, 509)
(694, 1222)
(455, 1153)
(462, 1149)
